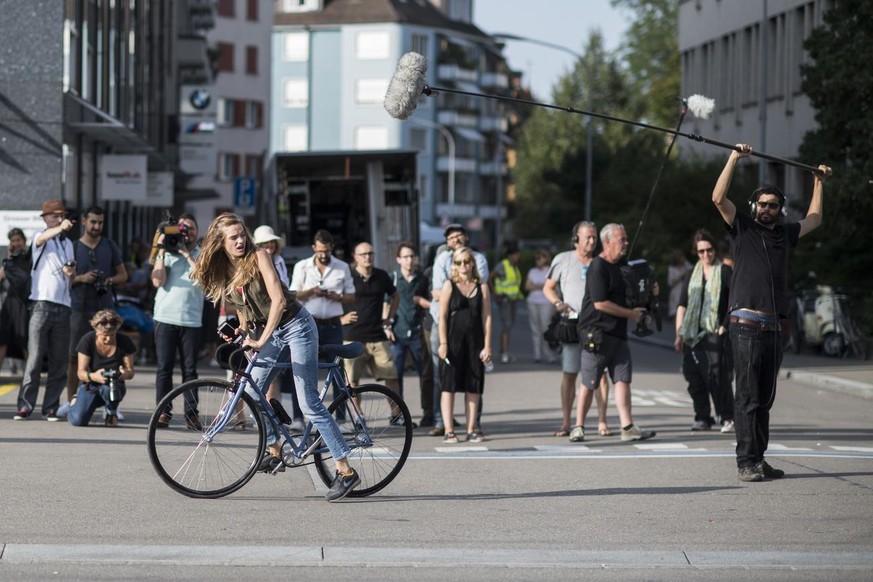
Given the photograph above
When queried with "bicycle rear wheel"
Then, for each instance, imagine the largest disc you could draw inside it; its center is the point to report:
(180, 452)
(379, 452)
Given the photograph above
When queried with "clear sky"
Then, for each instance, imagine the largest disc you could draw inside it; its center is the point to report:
(563, 22)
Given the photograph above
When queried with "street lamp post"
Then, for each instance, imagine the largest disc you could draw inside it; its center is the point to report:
(589, 157)
(450, 139)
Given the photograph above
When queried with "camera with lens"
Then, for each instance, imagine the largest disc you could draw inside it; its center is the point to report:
(111, 377)
(70, 263)
(174, 233)
(100, 283)
(638, 284)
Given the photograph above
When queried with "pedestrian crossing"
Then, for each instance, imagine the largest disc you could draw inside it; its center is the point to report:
(626, 450)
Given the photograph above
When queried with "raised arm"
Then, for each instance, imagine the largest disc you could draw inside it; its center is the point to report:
(725, 207)
(813, 217)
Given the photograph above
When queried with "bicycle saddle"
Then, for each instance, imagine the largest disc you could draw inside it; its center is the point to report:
(347, 351)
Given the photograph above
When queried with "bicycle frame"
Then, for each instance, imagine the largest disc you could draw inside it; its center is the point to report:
(243, 380)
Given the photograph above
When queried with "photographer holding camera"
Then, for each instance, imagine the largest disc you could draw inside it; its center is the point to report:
(105, 361)
(603, 329)
(178, 311)
(99, 268)
(49, 332)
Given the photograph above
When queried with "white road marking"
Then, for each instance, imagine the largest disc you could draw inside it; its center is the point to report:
(853, 449)
(772, 447)
(661, 446)
(565, 448)
(460, 449)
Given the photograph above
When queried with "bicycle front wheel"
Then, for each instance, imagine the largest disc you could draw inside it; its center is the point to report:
(194, 464)
(379, 445)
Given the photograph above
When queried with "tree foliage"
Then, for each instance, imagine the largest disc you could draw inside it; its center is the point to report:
(839, 83)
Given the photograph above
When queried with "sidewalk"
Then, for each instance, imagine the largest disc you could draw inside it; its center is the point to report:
(847, 374)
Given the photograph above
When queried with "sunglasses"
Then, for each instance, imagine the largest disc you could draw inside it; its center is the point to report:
(370, 254)
(108, 323)
(705, 251)
(770, 205)
(463, 262)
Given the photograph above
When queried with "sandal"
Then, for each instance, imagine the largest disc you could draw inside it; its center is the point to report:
(450, 438)
(563, 432)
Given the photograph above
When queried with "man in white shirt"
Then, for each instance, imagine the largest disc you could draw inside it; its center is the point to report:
(49, 333)
(323, 284)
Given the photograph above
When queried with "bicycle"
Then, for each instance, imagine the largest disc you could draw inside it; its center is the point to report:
(216, 451)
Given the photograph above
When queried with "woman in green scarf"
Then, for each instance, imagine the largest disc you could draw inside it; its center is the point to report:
(701, 322)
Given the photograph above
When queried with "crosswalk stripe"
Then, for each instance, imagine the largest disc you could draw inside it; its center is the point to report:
(564, 448)
(785, 448)
(661, 446)
(460, 449)
(853, 449)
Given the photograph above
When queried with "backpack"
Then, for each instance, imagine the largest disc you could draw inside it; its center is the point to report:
(19, 270)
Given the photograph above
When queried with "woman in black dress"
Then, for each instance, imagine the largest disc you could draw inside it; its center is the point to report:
(465, 341)
(13, 312)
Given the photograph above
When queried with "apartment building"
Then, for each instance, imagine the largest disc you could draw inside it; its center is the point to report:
(333, 60)
(747, 56)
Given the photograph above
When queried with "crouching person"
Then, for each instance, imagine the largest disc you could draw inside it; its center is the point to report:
(105, 361)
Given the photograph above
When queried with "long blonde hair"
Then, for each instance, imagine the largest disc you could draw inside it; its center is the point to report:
(214, 271)
(474, 272)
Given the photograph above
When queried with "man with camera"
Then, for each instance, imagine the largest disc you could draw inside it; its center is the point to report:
(49, 333)
(99, 268)
(603, 329)
(178, 309)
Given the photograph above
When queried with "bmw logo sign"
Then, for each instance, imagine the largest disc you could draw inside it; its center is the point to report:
(200, 99)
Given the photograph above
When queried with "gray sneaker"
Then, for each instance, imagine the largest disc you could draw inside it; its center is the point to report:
(577, 435)
(700, 425)
(342, 485)
(749, 474)
(727, 426)
(635, 434)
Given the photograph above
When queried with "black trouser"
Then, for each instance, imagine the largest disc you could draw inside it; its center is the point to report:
(757, 357)
(708, 369)
(170, 339)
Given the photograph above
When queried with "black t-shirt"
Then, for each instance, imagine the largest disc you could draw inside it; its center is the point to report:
(605, 283)
(760, 280)
(369, 297)
(726, 274)
(88, 346)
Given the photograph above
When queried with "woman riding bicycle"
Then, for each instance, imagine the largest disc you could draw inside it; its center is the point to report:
(275, 325)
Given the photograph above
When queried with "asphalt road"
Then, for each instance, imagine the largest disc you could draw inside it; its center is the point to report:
(84, 503)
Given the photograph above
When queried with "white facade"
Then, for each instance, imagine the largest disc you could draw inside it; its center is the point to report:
(243, 93)
(721, 43)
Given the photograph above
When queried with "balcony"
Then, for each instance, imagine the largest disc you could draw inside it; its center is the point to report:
(493, 123)
(453, 73)
(494, 80)
(467, 165)
(492, 168)
(457, 119)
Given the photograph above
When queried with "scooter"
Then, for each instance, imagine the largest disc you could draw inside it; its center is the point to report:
(826, 321)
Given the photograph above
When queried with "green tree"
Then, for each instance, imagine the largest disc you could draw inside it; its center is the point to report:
(651, 54)
(839, 83)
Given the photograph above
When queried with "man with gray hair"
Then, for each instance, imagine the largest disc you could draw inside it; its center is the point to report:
(603, 329)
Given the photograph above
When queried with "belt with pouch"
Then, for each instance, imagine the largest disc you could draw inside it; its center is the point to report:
(756, 324)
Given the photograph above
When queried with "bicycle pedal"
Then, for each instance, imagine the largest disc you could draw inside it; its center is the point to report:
(280, 411)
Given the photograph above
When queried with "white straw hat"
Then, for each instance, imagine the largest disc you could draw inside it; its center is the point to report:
(264, 234)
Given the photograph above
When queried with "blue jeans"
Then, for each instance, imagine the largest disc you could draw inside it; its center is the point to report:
(297, 341)
(49, 333)
(89, 398)
(170, 339)
(399, 350)
(757, 358)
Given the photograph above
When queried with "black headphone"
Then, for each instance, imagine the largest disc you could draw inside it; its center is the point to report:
(574, 234)
(753, 199)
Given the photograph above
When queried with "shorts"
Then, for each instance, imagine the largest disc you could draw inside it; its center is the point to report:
(80, 324)
(377, 356)
(507, 308)
(571, 358)
(614, 356)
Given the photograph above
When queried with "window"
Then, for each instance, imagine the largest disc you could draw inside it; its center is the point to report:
(295, 138)
(226, 8)
(253, 166)
(418, 139)
(254, 114)
(419, 44)
(252, 10)
(225, 57)
(371, 46)
(224, 111)
(296, 93)
(228, 166)
(371, 138)
(371, 91)
(251, 60)
(297, 46)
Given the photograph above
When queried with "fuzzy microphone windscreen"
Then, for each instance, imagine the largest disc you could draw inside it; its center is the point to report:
(701, 106)
(406, 85)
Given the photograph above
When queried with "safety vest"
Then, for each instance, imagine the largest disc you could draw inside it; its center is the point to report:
(510, 286)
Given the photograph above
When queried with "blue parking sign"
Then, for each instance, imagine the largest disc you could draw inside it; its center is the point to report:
(244, 192)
